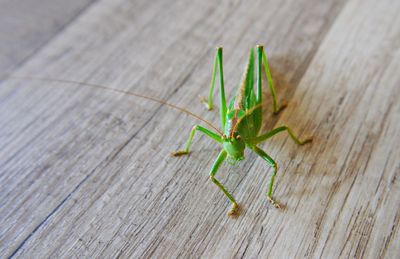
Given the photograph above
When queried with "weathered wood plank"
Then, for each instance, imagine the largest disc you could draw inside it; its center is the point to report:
(86, 173)
(26, 26)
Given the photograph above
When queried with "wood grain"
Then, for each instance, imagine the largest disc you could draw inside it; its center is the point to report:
(28, 25)
(86, 173)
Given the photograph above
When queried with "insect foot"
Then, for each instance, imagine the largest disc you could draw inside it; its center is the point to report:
(283, 106)
(180, 153)
(273, 202)
(307, 140)
(204, 101)
(235, 211)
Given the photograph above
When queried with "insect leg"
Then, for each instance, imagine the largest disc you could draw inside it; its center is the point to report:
(272, 163)
(263, 57)
(279, 129)
(259, 76)
(209, 104)
(207, 132)
(235, 211)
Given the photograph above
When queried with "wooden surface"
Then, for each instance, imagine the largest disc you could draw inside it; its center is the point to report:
(27, 25)
(86, 173)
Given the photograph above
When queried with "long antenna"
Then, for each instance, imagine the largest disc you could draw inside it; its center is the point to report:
(120, 91)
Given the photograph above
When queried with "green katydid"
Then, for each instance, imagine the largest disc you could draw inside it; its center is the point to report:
(240, 122)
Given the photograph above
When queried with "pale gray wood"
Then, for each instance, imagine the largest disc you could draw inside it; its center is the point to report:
(86, 173)
(26, 25)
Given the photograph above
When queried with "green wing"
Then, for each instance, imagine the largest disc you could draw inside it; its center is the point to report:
(244, 102)
(245, 97)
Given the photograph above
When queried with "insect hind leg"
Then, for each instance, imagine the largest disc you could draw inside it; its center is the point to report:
(262, 59)
(218, 64)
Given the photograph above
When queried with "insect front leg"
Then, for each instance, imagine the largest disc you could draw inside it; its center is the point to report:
(206, 131)
(272, 163)
(235, 211)
(280, 129)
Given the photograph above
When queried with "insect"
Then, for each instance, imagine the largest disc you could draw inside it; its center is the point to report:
(241, 121)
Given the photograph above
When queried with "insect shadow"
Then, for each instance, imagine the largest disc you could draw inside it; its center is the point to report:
(291, 165)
